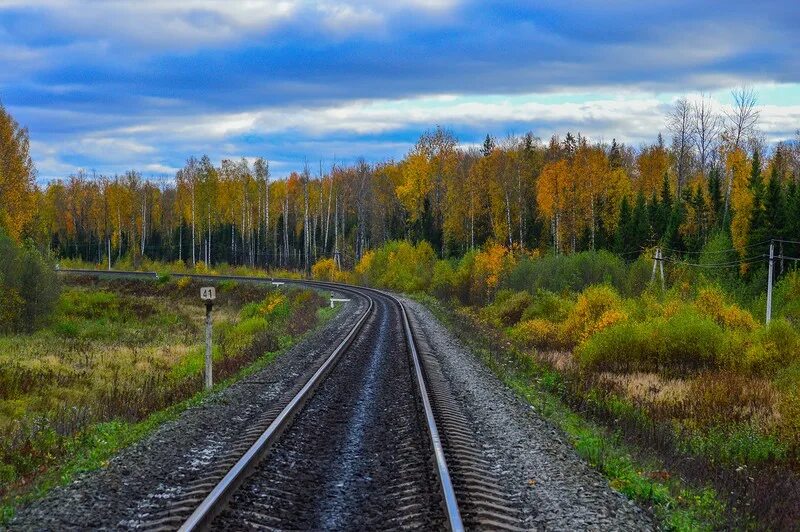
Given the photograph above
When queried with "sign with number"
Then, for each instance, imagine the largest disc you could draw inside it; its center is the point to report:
(208, 293)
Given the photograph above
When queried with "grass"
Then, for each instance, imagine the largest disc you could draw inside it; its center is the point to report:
(643, 478)
(119, 359)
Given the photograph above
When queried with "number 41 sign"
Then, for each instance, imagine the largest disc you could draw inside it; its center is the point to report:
(208, 293)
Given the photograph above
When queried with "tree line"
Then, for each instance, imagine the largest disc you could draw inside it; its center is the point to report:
(566, 195)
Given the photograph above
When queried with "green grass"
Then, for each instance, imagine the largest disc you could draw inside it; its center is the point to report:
(93, 449)
(642, 478)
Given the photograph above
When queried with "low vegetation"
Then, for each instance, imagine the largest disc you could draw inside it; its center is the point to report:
(28, 286)
(687, 371)
(116, 352)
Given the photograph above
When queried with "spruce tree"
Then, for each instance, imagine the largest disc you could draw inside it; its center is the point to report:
(622, 241)
(775, 207)
(715, 195)
(640, 224)
(654, 216)
(792, 219)
(759, 229)
(672, 236)
(614, 155)
(488, 145)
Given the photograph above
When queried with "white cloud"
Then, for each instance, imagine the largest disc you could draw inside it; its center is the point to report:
(632, 117)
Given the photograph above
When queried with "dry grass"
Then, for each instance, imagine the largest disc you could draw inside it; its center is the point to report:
(120, 350)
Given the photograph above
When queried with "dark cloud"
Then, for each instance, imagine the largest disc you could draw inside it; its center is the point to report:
(96, 74)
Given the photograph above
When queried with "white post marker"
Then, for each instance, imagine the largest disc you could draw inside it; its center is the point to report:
(338, 300)
(208, 294)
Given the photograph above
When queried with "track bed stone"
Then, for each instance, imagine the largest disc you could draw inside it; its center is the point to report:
(556, 489)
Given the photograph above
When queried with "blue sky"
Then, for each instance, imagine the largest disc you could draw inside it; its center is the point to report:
(144, 84)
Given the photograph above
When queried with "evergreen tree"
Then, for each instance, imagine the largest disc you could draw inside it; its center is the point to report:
(640, 224)
(715, 195)
(614, 155)
(654, 215)
(792, 219)
(672, 235)
(622, 240)
(488, 145)
(775, 207)
(759, 228)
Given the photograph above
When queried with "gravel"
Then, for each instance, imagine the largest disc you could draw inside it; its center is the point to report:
(143, 477)
(554, 486)
(358, 456)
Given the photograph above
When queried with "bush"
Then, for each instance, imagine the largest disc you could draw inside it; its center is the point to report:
(548, 306)
(489, 266)
(30, 284)
(398, 265)
(537, 333)
(710, 301)
(325, 270)
(569, 273)
(690, 341)
(443, 282)
(776, 347)
(508, 307)
(686, 341)
(597, 307)
(623, 347)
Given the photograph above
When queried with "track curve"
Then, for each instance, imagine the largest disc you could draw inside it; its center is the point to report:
(358, 447)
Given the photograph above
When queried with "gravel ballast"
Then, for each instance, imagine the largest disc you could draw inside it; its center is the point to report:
(555, 488)
(140, 480)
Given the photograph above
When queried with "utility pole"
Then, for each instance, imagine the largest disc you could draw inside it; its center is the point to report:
(208, 294)
(658, 263)
(769, 280)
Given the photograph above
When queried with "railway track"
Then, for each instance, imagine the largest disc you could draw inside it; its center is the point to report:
(371, 438)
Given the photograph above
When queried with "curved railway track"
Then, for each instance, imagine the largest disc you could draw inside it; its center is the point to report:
(372, 438)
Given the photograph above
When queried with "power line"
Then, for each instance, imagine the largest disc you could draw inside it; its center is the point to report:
(720, 252)
(728, 264)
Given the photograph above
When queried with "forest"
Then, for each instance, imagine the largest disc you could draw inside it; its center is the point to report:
(715, 172)
(550, 248)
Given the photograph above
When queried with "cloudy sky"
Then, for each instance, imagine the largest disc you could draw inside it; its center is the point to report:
(123, 84)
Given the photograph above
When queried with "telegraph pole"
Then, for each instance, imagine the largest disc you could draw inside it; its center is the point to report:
(208, 294)
(769, 279)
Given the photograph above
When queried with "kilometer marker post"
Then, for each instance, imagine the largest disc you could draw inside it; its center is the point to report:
(208, 294)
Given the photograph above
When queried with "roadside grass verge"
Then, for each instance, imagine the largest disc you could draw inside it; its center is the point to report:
(71, 410)
(638, 474)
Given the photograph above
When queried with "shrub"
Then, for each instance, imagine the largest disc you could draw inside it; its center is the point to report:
(31, 284)
(398, 265)
(597, 307)
(786, 298)
(324, 270)
(623, 347)
(443, 281)
(508, 307)
(710, 301)
(548, 306)
(568, 273)
(537, 333)
(684, 341)
(689, 340)
(490, 265)
(776, 346)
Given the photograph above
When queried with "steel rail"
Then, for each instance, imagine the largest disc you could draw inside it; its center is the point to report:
(446, 484)
(210, 506)
(208, 509)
